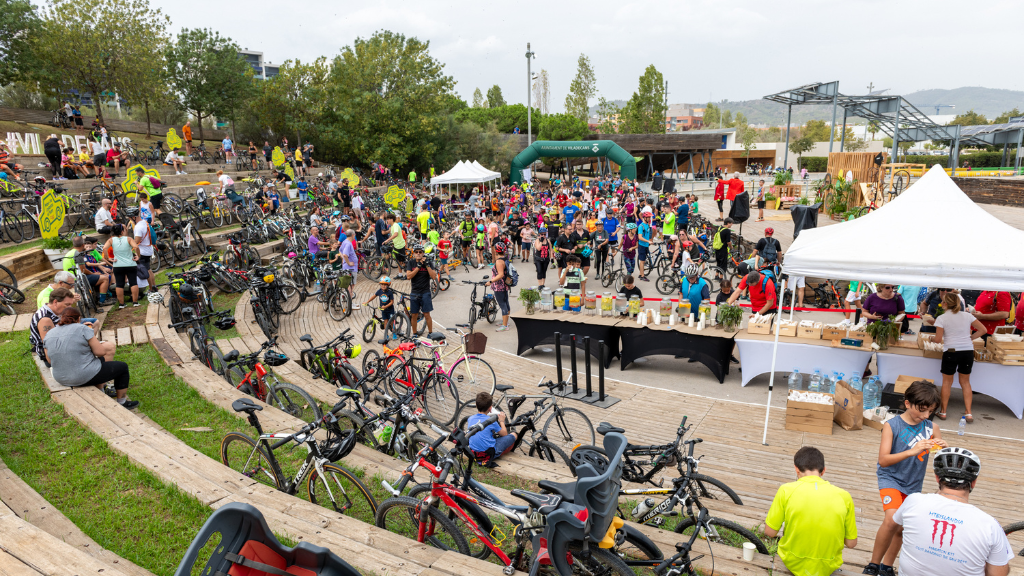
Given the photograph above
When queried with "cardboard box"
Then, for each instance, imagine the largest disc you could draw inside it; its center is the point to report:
(809, 417)
(904, 382)
(787, 328)
(830, 333)
(763, 327)
(873, 424)
(810, 332)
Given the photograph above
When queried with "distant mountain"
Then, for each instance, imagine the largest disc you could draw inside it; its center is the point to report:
(988, 101)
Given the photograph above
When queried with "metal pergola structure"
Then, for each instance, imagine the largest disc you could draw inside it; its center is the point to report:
(995, 134)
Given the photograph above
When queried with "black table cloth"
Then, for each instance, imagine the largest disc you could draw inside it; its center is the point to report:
(712, 348)
(539, 329)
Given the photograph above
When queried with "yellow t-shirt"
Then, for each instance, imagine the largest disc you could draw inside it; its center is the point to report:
(424, 219)
(298, 156)
(818, 517)
(83, 157)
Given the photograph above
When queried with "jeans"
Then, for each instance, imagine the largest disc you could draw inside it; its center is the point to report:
(501, 297)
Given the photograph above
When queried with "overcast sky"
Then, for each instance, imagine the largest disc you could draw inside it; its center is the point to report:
(707, 50)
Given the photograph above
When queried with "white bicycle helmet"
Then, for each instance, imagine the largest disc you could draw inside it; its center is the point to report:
(691, 270)
(956, 467)
(155, 298)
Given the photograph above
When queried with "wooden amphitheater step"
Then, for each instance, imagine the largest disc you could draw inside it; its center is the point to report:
(27, 504)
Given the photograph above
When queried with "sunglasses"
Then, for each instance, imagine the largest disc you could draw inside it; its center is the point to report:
(887, 287)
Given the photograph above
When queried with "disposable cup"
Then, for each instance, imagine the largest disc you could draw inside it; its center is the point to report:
(748, 551)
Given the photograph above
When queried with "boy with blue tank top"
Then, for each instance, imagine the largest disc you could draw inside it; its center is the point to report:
(902, 464)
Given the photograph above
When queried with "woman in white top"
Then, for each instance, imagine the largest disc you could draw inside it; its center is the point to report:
(226, 183)
(956, 330)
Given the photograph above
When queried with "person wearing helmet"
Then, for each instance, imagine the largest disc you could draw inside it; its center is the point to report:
(481, 245)
(385, 297)
(630, 241)
(693, 289)
(500, 280)
(902, 464)
(419, 272)
(768, 249)
(943, 534)
(465, 231)
(144, 239)
(542, 249)
(515, 224)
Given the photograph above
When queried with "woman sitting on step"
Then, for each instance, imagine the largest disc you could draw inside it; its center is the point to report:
(78, 358)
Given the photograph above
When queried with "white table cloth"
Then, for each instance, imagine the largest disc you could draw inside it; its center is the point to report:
(1004, 383)
(756, 358)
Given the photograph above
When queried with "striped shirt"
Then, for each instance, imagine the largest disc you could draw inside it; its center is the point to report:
(33, 329)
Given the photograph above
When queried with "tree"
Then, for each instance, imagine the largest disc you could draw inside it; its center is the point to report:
(494, 97)
(855, 145)
(542, 92)
(208, 75)
(749, 137)
(644, 113)
(904, 146)
(740, 121)
(19, 28)
(712, 116)
(1004, 118)
(94, 45)
(390, 114)
(478, 99)
(727, 121)
(772, 134)
(969, 118)
(608, 113)
(290, 103)
(874, 128)
(801, 145)
(816, 130)
(581, 90)
(146, 81)
(562, 127)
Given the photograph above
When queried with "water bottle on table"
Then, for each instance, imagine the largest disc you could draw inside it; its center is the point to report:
(815, 384)
(871, 394)
(796, 380)
(855, 382)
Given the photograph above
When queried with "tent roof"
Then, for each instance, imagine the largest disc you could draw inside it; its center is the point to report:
(465, 173)
(931, 235)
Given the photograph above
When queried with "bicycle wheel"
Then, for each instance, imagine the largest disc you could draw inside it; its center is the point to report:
(599, 561)
(340, 490)
(477, 548)
(1011, 531)
(721, 531)
(241, 454)
(608, 277)
(374, 268)
(340, 305)
(473, 375)
(292, 399)
(370, 358)
(445, 283)
(11, 294)
(714, 276)
(571, 427)
(198, 244)
(199, 348)
(402, 515)
(549, 452)
(6, 308)
(472, 317)
(492, 311)
(666, 284)
(364, 435)
(441, 398)
(292, 296)
(398, 325)
(369, 331)
(28, 225)
(713, 488)
(172, 203)
(217, 363)
(636, 548)
(12, 228)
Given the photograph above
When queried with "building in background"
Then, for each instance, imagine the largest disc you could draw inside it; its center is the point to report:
(682, 117)
(264, 70)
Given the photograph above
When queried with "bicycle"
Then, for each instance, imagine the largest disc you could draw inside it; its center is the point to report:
(565, 428)
(469, 372)
(672, 282)
(1014, 528)
(205, 348)
(9, 296)
(398, 325)
(264, 385)
(486, 307)
(430, 385)
(329, 485)
(328, 362)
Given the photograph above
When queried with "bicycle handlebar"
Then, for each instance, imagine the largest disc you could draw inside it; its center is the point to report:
(683, 550)
(222, 314)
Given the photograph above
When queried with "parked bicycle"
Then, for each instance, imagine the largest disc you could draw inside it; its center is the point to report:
(255, 378)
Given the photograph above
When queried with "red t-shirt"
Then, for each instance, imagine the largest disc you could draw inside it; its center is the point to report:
(991, 302)
(444, 246)
(736, 186)
(111, 154)
(761, 294)
(1019, 315)
(720, 190)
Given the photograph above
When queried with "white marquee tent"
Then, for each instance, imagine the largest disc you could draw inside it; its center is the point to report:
(465, 173)
(931, 235)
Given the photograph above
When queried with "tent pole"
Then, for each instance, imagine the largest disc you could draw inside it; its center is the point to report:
(771, 375)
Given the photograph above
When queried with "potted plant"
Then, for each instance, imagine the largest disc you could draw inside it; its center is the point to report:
(529, 298)
(883, 331)
(729, 317)
(54, 248)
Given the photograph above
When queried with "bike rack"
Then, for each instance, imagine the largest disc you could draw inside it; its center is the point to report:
(600, 399)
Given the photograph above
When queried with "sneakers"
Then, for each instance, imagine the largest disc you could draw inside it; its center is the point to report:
(644, 279)
(183, 173)
(177, 173)
(135, 305)
(884, 570)
(871, 569)
(129, 404)
(501, 328)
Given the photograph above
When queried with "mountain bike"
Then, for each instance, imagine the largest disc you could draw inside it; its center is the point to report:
(1016, 530)
(671, 282)
(565, 428)
(429, 384)
(248, 374)
(334, 294)
(239, 254)
(204, 348)
(398, 325)
(329, 362)
(329, 485)
(9, 296)
(487, 307)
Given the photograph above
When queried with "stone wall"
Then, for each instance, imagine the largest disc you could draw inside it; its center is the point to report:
(43, 117)
(1001, 191)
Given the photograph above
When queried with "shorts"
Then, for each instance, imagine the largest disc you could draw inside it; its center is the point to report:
(143, 265)
(797, 282)
(584, 261)
(156, 200)
(957, 362)
(517, 241)
(642, 252)
(123, 274)
(307, 162)
(444, 261)
(420, 302)
(78, 120)
(503, 443)
(303, 195)
(542, 268)
(466, 243)
(891, 498)
(760, 204)
(852, 297)
(94, 279)
(99, 159)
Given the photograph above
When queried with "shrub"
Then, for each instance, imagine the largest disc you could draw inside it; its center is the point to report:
(813, 163)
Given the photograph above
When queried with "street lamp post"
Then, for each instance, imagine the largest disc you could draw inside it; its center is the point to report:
(529, 93)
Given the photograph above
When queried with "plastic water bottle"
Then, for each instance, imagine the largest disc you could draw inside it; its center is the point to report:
(839, 376)
(796, 380)
(643, 507)
(855, 382)
(963, 426)
(826, 382)
(871, 394)
(815, 383)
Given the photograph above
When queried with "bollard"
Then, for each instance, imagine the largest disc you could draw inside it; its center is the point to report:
(586, 364)
(600, 370)
(572, 363)
(558, 357)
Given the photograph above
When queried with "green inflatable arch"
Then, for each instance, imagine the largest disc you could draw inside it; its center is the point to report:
(573, 149)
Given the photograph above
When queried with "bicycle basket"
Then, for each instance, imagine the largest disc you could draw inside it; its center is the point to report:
(344, 279)
(476, 343)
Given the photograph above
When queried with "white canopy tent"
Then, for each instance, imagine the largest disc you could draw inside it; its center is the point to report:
(466, 173)
(931, 235)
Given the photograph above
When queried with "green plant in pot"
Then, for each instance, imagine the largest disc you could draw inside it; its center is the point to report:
(529, 298)
(729, 317)
(884, 330)
(56, 243)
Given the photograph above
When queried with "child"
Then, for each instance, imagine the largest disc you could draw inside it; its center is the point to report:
(902, 465)
(444, 248)
(334, 256)
(526, 234)
(853, 296)
(275, 201)
(481, 243)
(145, 208)
(303, 187)
(493, 441)
(572, 276)
(386, 296)
(760, 201)
(725, 287)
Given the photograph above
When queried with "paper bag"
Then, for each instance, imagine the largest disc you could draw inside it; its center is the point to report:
(849, 407)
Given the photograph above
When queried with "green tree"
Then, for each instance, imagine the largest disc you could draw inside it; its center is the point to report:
(644, 113)
(801, 145)
(969, 118)
(772, 134)
(727, 121)
(816, 130)
(607, 113)
(1005, 116)
(874, 128)
(145, 81)
(740, 121)
(19, 28)
(712, 116)
(494, 97)
(390, 114)
(562, 127)
(208, 76)
(581, 90)
(94, 45)
(478, 98)
(854, 145)
(748, 138)
(290, 103)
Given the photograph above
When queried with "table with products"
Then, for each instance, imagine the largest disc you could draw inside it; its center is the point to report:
(539, 329)
(804, 354)
(711, 346)
(1002, 382)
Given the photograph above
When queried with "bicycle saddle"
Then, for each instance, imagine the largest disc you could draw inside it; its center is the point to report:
(567, 490)
(436, 336)
(306, 338)
(503, 387)
(544, 503)
(231, 356)
(348, 393)
(245, 405)
(604, 428)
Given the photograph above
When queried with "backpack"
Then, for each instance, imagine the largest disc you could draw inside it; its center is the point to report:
(771, 254)
(716, 242)
(157, 183)
(512, 277)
